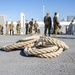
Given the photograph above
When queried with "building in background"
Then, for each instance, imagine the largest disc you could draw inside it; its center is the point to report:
(3, 21)
(70, 18)
(63, 20)
(22, 20)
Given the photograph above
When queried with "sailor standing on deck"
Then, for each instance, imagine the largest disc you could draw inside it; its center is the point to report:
(27, 26)
(56, 23)
(11, 27)
(35, 26)
(0, 29)
(31, 26)
(18, 28)
(7, 28)
(71, 28)
(48, 23)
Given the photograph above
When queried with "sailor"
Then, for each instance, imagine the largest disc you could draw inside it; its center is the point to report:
(56, 23)
(27, 26)
(18, 28)
(71, 28)
(0, 29)
(11, 27)
(31, 26)
(7, 28)
(48, 23)
(35, 26)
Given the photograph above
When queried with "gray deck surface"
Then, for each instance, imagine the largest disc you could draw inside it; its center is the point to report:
(15, 63)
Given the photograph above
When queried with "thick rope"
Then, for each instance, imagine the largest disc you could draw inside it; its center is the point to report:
(52, 54)
(34, 51)
(56, 42)
(48, 52)
(18, 45)
(42, 47)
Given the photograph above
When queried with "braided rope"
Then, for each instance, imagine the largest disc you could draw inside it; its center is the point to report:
(56, 42)
(53, 47)
(18, 45)
(52, 54)
(34, 51)
(49, 51)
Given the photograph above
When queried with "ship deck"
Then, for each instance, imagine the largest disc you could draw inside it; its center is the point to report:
(16, 63)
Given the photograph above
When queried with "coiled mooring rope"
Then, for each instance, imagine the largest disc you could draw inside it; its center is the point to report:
(57, 47)
(46, 47)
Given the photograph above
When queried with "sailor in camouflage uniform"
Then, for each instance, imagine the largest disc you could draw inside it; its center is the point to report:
(18, 28)
(35, 26)
(56, 24)
(11, 27)
(7, 28)
(48, 24)
(0, 29)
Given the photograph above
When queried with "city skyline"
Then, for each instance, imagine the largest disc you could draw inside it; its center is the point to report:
(36, 8)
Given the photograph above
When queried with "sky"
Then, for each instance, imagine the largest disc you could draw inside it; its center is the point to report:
(34, 8)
